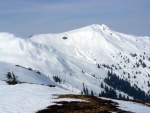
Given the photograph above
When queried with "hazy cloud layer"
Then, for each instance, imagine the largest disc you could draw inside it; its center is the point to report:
(28, 17)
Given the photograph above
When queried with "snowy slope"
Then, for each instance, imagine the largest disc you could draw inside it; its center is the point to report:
(131, 106)
(28, 98)
(74, 57)
(24, 74)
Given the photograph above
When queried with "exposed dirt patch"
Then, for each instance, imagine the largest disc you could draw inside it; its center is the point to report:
(95, 105)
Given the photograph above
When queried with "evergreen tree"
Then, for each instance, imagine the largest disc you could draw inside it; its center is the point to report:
(102, 85)
(98, 66)
(11, 78)
(123, 85)
(92, 94)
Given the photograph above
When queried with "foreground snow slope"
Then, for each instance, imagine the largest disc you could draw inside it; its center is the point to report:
(74, 57)
(28, 98)
(131, 106)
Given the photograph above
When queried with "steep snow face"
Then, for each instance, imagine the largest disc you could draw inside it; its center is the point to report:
(81, 58)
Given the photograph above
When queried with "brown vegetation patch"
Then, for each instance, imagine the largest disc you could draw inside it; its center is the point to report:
(94, 105)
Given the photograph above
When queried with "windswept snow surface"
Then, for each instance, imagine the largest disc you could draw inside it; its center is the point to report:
(75, 59)
(28, 98)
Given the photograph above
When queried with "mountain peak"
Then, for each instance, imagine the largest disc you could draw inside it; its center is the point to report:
(104, 26)
(85, 56)
(101, 27)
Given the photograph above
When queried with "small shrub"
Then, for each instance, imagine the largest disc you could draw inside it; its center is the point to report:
(11, 78)
(56, 79)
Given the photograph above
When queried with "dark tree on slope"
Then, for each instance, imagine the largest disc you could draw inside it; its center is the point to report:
(11, 78)
(98, 66)
(56, 79)
(123, 85)
(120, 96)
(109, 92)
(133, 55)
(144, 65)
(85, 90)
(92, 93)
(102, 86)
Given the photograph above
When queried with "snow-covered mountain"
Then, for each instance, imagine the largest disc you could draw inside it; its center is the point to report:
(91, 60)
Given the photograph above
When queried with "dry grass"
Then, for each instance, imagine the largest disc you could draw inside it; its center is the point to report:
(95, 105)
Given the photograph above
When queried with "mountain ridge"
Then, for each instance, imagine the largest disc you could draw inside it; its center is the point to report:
(86, 56)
